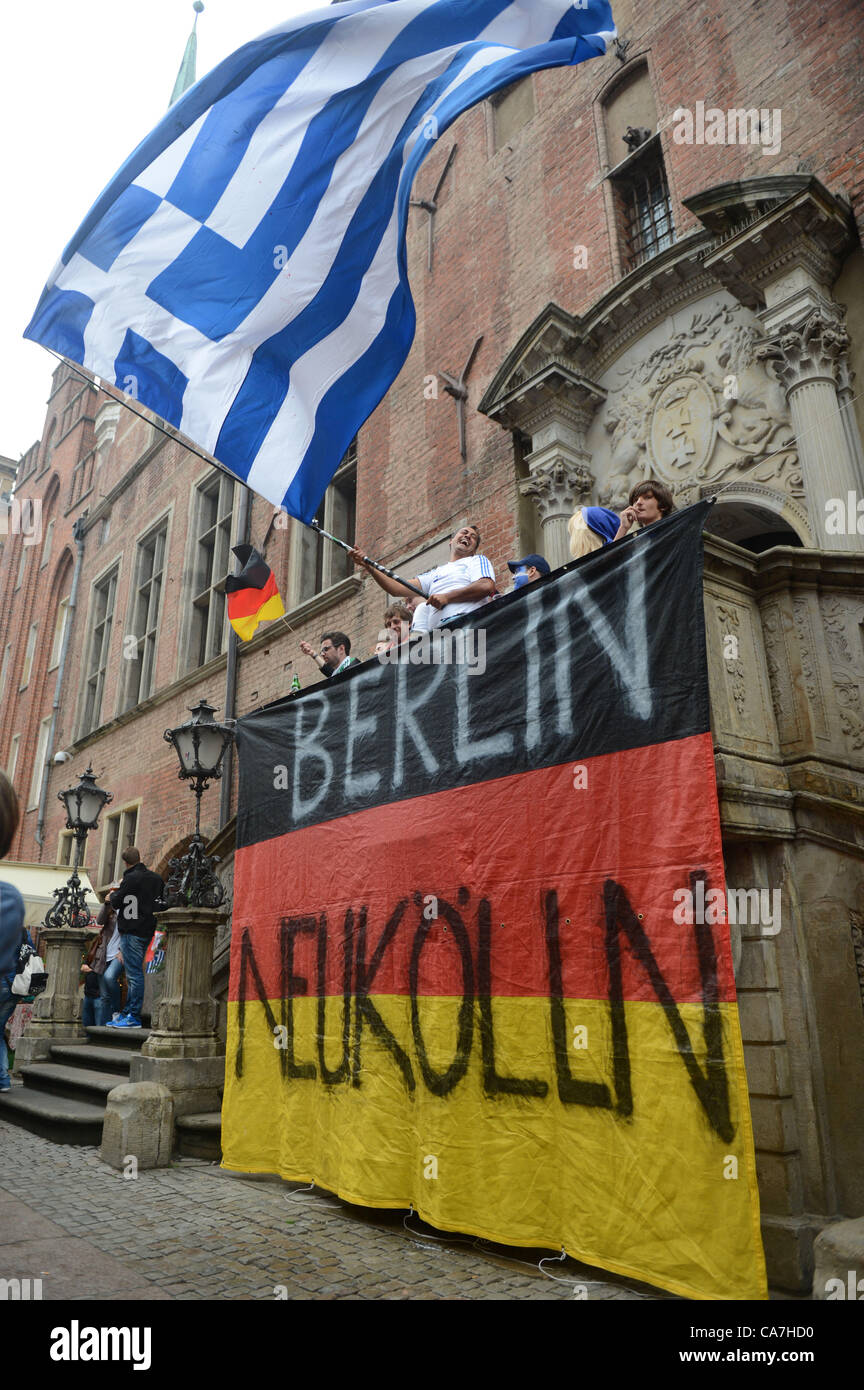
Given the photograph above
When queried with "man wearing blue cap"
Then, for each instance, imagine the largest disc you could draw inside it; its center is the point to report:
(527, 570)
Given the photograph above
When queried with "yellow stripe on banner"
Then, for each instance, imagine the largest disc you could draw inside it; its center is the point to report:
(658, 1194)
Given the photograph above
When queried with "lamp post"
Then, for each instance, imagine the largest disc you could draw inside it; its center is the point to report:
(200, 745)
(84, 803)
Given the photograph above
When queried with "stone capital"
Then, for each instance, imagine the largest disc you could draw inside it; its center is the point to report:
(557, 483)
(814, 350)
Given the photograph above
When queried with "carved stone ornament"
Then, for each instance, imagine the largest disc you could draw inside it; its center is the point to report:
(834, 621)
(703, 408)
(682, 428)
(846, 665)
(730, 618)
(809, 663)
(813, 351)
(848, 694)
(856, 923)
(777, 661)
(557, 487)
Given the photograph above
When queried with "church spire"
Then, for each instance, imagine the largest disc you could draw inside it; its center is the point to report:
(186, 75)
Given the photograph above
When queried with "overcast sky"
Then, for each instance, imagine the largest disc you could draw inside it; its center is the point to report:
(80, 84)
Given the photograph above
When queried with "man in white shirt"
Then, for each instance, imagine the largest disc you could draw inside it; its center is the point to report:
(465, 582)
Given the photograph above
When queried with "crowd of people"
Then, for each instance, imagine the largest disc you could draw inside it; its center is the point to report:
(114, 956)
(467, 580)
(127, 925)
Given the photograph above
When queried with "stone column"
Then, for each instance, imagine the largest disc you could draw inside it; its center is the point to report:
(184, 1051)
(557, 486)
(810, 361)
(560, 478)
(57, 1012)
(845, 395)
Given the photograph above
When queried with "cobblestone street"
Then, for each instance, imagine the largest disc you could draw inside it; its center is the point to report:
(193, 1231)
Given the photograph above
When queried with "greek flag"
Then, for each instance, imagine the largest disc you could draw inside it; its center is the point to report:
(244, 273)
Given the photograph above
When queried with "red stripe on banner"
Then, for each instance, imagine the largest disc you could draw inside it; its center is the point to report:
(412, 877)
(244, 602)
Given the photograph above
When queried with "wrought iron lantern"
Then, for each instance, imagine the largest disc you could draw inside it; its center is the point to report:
(200, 745)
(84, 804)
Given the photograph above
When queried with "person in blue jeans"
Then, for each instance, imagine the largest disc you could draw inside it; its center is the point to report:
(109, 979)
(11, 924)
(139, 892)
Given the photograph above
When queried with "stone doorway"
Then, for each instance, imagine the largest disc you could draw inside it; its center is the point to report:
(752, 527)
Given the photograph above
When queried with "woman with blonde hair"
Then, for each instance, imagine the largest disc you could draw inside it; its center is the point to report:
(590, 528)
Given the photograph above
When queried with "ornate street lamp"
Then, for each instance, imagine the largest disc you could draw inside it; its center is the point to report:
(84, 803)
(200, 744)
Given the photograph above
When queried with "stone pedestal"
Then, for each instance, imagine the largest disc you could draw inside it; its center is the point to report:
(139, 1128)
(57, 1012)
(184, 1051)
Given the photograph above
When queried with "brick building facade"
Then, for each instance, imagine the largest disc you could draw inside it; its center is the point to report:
(628, 307)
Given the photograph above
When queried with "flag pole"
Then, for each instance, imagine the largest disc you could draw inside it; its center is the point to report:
(367, 560)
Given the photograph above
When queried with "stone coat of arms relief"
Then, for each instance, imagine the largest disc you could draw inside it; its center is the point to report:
(703, 409)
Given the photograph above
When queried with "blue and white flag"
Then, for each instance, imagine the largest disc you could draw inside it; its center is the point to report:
(244, 273)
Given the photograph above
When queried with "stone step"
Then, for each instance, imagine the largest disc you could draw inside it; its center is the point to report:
(59, 1118)
(81, 1083)
(118, 1037)
(116, 1059)
(199, 1136)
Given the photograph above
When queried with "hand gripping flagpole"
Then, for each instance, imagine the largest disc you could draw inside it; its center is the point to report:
(313, 525)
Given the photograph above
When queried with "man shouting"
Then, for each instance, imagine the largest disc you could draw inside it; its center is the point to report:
(465, 582)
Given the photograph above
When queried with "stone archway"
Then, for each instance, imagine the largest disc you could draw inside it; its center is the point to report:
(753, 527)
(175, 850)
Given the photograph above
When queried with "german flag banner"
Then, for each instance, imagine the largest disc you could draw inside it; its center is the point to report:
(252, 594)
(461, 978)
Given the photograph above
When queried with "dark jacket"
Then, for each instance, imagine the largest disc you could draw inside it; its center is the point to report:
(11, 923)
(140, 889)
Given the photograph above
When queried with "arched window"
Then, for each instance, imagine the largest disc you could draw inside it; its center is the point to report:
(638, 197)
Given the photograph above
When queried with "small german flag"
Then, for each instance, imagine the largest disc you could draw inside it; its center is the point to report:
(252, 594)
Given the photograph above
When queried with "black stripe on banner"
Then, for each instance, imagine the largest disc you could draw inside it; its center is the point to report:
(604, 655)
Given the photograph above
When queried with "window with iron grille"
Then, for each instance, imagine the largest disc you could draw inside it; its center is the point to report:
(104, 594)
(146, 603)
(211, 565)
(321, 563)
(645, 208)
